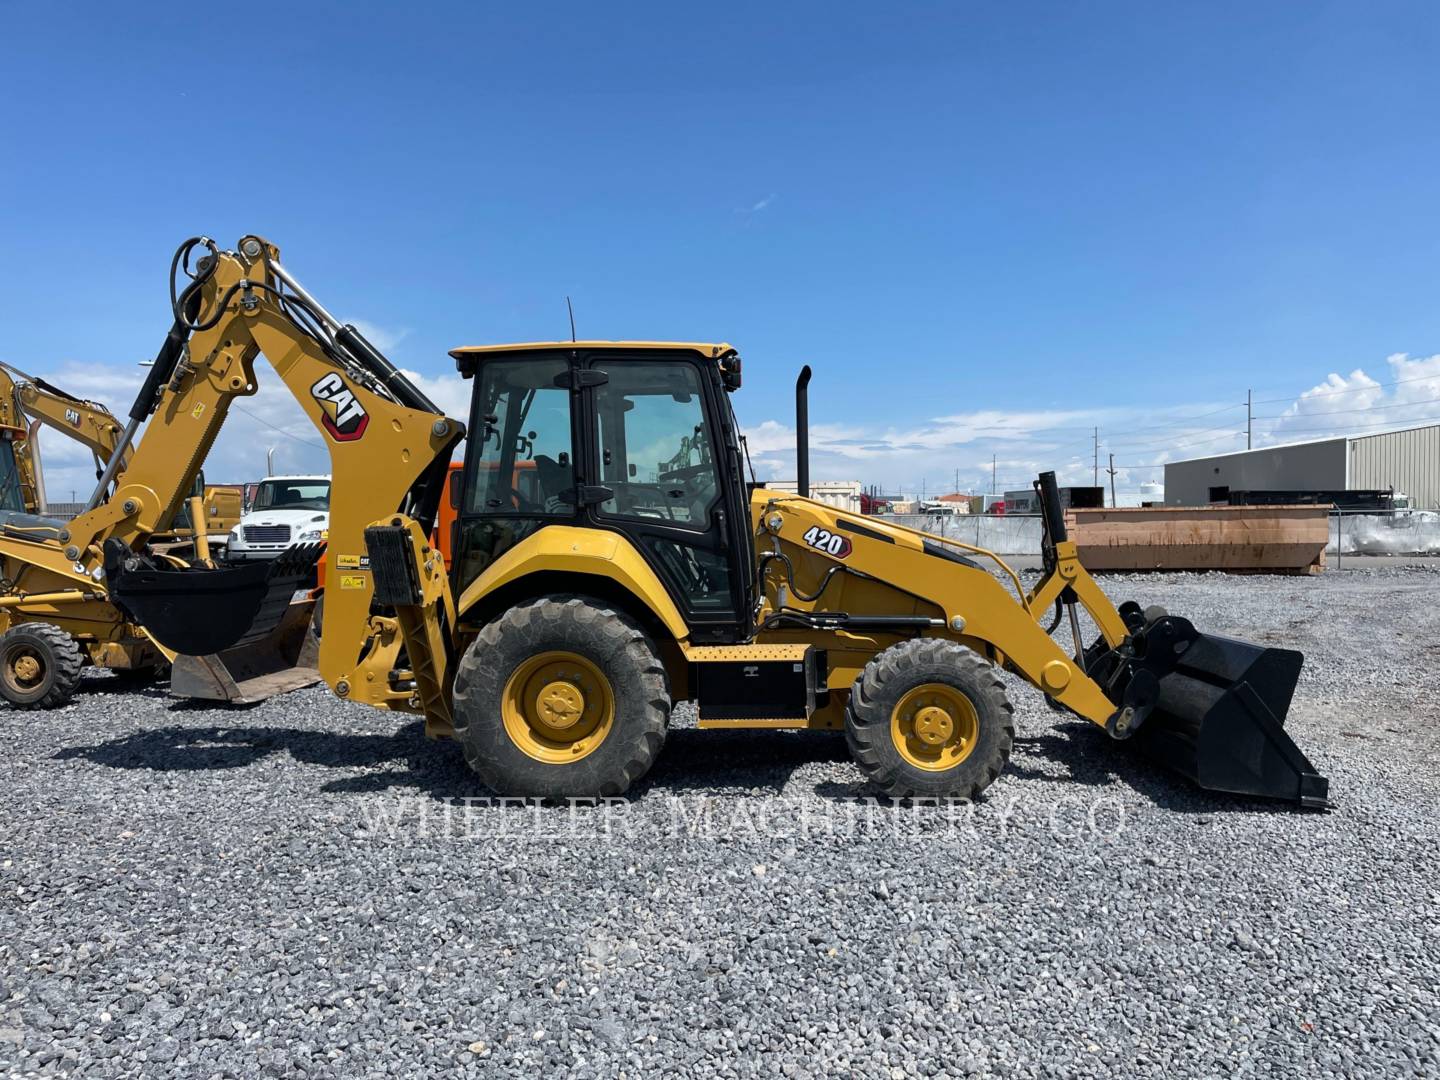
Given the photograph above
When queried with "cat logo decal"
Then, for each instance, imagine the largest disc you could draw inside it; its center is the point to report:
(344, 417)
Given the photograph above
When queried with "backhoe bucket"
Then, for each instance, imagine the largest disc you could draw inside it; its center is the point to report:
(237, 625)
(1214, 709)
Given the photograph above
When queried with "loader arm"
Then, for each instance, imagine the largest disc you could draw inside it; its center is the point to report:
(953, 597)
(389, 447)
(1211, 707)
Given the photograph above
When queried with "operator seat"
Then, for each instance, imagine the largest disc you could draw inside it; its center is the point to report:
(553, 479)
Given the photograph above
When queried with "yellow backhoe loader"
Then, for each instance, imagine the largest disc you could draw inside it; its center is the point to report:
(634, 569)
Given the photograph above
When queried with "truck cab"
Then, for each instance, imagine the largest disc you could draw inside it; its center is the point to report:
(285, 510)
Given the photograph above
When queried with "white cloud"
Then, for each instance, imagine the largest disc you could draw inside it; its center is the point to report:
(1358, 404)
(382, 338)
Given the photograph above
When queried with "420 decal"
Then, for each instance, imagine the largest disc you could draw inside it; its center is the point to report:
(828, 542)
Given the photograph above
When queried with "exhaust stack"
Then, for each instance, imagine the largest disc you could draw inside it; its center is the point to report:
(802, 433)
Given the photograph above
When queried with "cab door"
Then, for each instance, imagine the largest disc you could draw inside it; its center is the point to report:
(658, 464)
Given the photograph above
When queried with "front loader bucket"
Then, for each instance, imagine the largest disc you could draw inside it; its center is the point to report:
(285, 659)
(1213, 708)
(198, 610)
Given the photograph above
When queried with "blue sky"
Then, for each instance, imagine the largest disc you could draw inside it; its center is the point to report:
(988, 228)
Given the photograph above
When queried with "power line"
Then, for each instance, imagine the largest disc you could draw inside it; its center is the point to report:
(1358, 408)
(273, 427)
(1351, 390)
(1377, 424)
(1186, 419)
(1132, 448)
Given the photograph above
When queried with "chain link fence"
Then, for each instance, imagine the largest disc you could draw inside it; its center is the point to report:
(1416, 533)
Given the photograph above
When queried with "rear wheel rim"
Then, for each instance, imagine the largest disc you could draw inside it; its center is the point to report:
(557, 707)
(935, 727)
(23, 668)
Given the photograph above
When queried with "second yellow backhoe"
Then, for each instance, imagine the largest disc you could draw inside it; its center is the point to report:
(53, 625)
(635, 567)
(30, 402)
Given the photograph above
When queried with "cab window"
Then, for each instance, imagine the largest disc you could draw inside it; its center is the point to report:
(293, 495)
(656, 453)
(523, 462)
(11, 496)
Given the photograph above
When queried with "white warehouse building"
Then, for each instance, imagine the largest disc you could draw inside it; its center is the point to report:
(1406, 461)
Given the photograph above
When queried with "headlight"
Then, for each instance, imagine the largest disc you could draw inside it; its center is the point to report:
(312, 535)
(235, 535)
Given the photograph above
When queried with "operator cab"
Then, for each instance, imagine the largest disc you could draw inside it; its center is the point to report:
(636, 438)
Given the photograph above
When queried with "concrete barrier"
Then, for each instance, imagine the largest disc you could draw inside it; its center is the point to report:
(1004, 534)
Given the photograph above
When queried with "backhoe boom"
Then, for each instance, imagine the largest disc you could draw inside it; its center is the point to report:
(383, 436)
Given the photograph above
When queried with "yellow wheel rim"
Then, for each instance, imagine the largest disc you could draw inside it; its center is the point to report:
(935, 727)
(24, 670)
(558, 707)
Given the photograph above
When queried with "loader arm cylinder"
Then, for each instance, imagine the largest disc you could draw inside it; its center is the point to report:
(1053, 514)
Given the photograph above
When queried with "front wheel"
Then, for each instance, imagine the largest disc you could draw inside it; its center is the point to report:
(929, 717)
(561, 697)
(39, 666)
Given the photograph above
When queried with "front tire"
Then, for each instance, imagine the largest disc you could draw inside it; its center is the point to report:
(561, 697)
(39, 666)
(929, 718)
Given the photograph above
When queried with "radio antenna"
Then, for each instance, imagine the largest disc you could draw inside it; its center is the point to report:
(571, 309)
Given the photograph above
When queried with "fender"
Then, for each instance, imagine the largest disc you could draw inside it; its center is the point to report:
(580, 551)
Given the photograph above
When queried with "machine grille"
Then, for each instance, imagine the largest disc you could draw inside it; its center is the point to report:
(267, 534)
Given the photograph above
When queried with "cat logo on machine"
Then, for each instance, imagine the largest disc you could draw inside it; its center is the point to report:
(828, 542)
(72, 417)
(345, 418)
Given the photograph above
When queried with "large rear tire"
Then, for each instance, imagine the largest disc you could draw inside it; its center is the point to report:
(561, 697)
(929, 718)
(39, 666)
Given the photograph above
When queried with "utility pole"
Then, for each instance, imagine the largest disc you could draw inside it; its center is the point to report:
(956, 489)
(1249, 415)
(1111, 471)
(1097, 457)
(992, 474)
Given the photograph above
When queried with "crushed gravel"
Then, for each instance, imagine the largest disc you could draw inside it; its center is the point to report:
(301, 888)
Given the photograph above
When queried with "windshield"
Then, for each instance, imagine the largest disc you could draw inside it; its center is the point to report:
(11, 497)
(292, 495)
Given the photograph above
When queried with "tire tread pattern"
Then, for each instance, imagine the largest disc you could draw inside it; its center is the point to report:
(66, 660)
(887, 677)
(610, 638)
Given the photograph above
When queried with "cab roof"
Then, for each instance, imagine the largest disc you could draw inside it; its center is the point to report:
(706, 348)
(467, 356)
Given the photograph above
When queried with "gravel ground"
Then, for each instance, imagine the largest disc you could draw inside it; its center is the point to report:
(300, 889)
